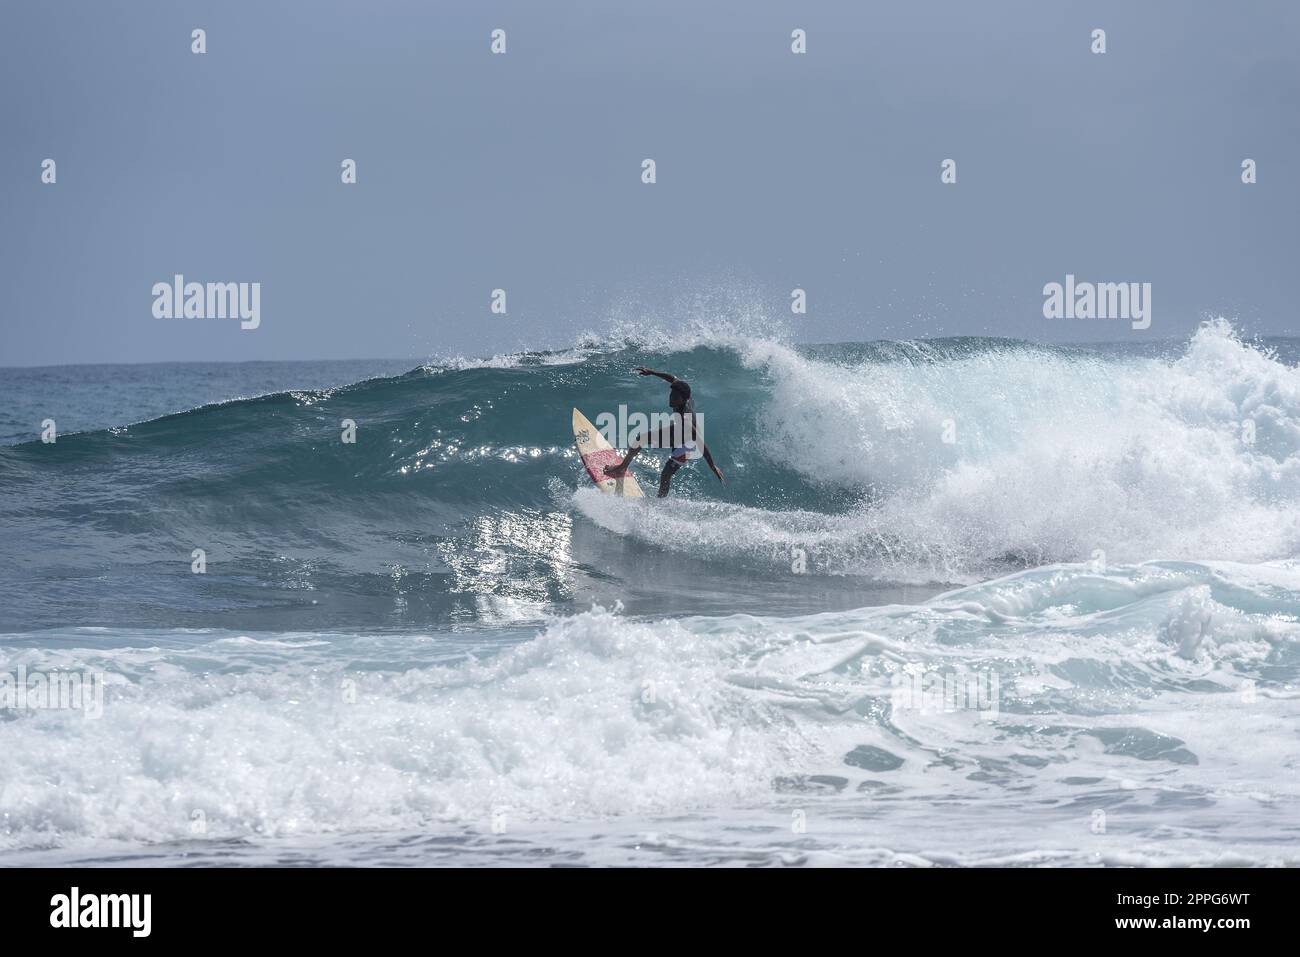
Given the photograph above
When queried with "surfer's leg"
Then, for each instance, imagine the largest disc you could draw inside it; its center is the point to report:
(619, 469)
(666, 476)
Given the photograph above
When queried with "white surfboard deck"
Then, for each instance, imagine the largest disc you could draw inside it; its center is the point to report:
(596, 454)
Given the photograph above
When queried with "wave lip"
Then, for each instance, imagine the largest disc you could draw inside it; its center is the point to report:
(985, 456)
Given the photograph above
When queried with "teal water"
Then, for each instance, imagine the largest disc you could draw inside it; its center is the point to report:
(403, 647)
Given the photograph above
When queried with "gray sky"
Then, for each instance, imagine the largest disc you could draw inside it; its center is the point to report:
(522, 171)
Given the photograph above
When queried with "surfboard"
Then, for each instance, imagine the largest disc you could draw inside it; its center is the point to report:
(596, 454)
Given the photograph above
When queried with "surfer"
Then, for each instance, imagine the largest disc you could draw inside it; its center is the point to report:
(682, 435)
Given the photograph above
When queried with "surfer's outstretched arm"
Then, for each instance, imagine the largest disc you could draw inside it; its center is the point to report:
(666, 376)
(708, 457)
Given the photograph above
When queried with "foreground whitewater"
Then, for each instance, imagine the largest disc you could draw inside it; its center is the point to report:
(961, 602)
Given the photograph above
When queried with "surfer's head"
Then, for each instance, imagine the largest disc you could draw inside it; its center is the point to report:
(679, 397)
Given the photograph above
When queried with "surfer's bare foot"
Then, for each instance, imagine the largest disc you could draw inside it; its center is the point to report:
(615, 471)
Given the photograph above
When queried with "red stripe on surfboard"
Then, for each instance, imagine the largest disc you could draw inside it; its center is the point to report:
(596, 462)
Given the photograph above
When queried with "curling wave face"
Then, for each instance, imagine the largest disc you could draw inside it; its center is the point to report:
(462, 499)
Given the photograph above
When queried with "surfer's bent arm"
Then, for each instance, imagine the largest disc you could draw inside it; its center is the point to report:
(708, 457)
(666, 376)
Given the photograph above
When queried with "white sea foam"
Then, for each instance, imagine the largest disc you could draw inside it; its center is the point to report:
(1057, 457)
(1163, 682)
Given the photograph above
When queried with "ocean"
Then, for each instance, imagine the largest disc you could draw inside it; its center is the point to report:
(960, 602)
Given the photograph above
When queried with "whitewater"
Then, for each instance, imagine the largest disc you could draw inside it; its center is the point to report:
(440, 645)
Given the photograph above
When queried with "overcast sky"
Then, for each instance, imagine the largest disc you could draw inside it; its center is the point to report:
(523, 171)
